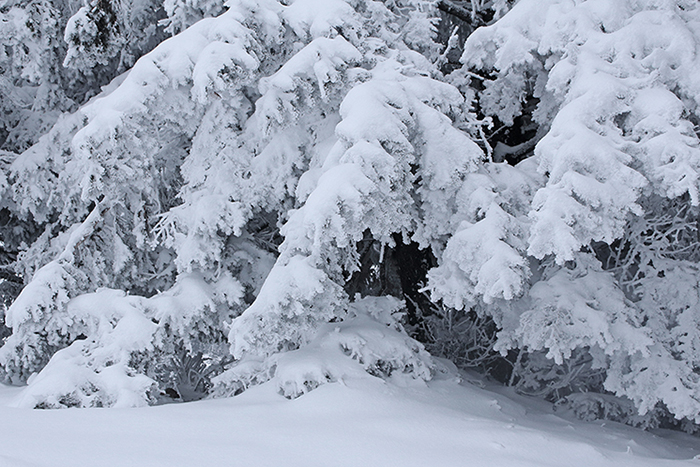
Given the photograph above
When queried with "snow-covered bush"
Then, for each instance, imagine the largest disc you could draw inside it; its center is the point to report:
(126, 347)
(369, 341)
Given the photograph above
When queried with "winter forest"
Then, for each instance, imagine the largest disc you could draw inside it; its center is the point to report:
(199, 198)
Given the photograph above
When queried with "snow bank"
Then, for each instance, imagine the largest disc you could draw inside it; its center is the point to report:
(350, 423)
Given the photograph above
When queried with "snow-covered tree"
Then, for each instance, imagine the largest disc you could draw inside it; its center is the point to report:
(596, 257)
(317, 117)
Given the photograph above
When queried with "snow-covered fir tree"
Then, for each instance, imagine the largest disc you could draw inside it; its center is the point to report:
(610, 93)
(173, 184)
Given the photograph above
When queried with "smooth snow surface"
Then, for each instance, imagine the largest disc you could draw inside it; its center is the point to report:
(356, 424)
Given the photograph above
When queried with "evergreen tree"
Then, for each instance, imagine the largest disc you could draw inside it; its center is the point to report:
(181, 174)
(610, 90)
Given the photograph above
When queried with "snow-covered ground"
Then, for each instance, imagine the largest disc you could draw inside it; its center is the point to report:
(358, 423)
